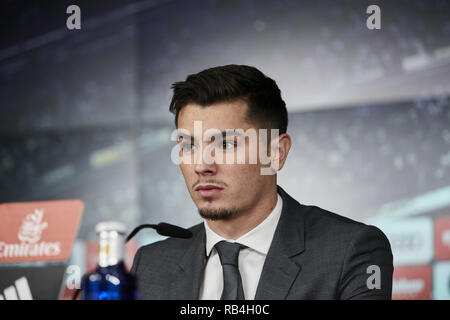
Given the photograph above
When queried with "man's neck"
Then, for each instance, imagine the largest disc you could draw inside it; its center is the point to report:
(246, 221)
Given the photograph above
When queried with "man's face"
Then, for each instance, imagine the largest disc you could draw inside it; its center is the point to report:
(239, 186)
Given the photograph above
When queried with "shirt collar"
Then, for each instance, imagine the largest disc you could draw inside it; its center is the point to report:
(259, 238)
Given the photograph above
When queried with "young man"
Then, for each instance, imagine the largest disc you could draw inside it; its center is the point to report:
(256, 242)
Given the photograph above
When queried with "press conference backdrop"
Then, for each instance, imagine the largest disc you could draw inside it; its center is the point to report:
(84, 113)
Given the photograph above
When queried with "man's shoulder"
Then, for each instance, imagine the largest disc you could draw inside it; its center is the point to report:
(316, 216)
(323, 225)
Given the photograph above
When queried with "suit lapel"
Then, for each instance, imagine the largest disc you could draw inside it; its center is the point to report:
(280, 271)
(186, 284)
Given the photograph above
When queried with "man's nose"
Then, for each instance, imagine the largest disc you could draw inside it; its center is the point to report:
(205, 163)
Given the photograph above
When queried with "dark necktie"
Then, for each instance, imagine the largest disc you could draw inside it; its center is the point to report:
(232, 282)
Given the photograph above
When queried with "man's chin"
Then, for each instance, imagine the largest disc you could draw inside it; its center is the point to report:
(218, 213)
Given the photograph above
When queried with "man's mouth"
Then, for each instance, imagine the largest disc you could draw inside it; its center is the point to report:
(208, 190)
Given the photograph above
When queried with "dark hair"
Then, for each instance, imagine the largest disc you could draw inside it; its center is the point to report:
(266, 108)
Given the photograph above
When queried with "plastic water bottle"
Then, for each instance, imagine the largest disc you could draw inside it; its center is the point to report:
(111, 280)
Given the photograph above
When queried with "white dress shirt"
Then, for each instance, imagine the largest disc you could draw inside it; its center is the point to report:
(251, 259)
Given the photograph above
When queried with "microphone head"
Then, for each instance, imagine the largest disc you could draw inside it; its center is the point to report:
(169, 230)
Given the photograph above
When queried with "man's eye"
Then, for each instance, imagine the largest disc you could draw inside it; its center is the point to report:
(227, 144)
(187, 146)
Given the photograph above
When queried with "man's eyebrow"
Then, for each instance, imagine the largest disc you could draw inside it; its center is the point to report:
(185, 136)
(223, 134)
(228, 132)
(231, 132)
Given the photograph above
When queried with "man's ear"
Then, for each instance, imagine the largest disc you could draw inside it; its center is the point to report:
(279, 149)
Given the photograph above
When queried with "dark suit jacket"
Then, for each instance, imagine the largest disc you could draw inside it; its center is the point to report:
(315, 254)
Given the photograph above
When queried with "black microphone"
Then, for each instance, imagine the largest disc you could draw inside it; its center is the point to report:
(164, 229)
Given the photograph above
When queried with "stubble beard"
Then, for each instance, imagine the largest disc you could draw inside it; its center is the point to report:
(216, 214)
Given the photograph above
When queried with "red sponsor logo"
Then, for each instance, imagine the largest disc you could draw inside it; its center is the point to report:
(412, 283)
(442, 238)
(38, 231)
